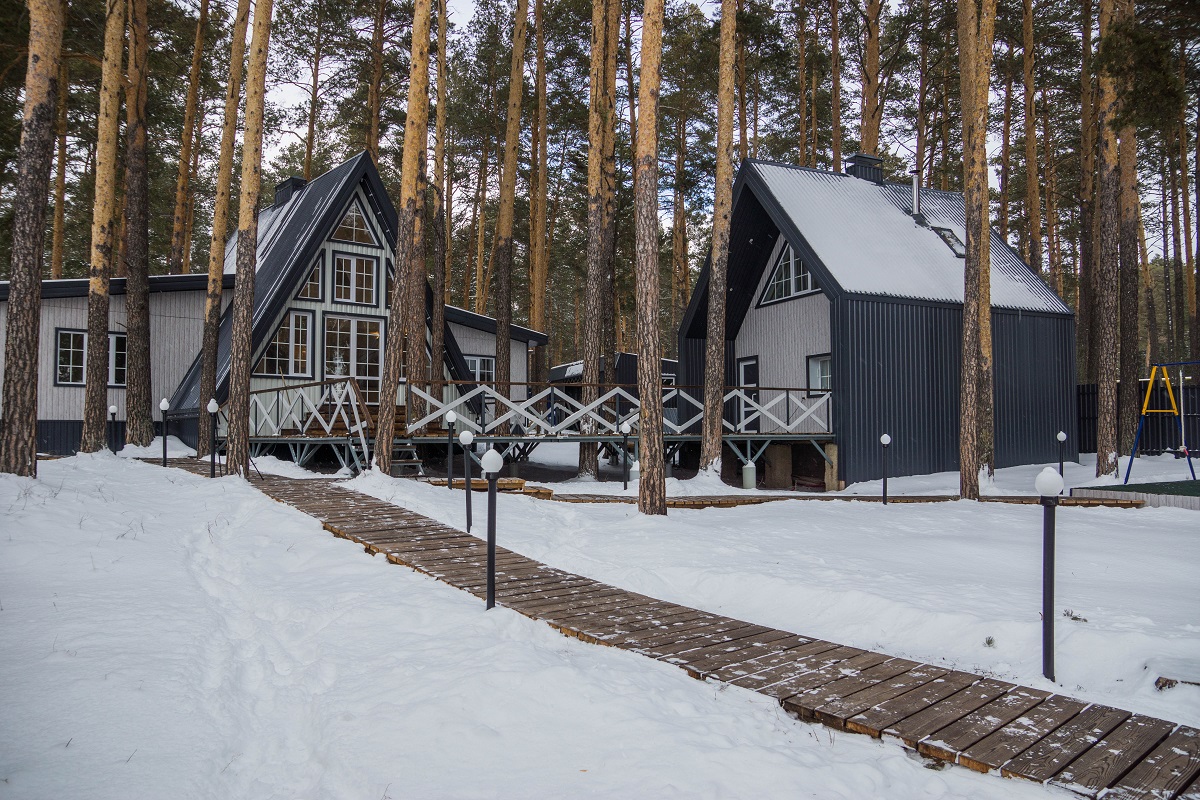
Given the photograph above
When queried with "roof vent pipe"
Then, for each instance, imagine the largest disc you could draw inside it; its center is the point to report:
(916, 200)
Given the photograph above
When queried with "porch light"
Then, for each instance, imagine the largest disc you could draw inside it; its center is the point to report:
(451, 418)
(466, 438)
(164, 405)
(492, 461)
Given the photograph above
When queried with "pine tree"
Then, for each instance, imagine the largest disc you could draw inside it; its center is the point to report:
(185, 148)
(1105, 293)
(18, 427)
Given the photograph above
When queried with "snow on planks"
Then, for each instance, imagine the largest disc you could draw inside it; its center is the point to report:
(956, 717)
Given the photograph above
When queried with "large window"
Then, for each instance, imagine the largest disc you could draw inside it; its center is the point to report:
(819, 374)
(354, 279)
(482, 367)
(288, 354)
(352, 348)
(72, 358)
(789, 278)
(354, 227)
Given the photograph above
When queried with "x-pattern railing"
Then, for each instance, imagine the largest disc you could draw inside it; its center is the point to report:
(310, 409)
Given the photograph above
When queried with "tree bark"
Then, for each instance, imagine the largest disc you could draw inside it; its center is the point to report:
(441, 272)
(139, 420)
(1130, 356)
(1087, 193)
(18, 426)
(1153, 343)
(976, 29)
(414, 150)
(237, 450)
(60, 176)
(1053, 262)
(714, 348)
(375, 86)
(1180, 344)
(216, 246)
(872, 106)
(802, 82)
(95, 396)
(191, 200)
(539, 199)
(1033, 201)
(836, 69)
(314, 88)
(479, 233)
(175, 264)
(1005, 145)
(508, 190)
(679, 240)
(1105, 342)
(740, 57)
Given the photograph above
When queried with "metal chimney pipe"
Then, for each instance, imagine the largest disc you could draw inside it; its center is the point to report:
(916, 192)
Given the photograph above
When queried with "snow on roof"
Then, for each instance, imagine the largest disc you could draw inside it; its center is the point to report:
(865, 237)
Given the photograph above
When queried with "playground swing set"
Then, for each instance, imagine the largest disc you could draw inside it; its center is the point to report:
(1175, 408)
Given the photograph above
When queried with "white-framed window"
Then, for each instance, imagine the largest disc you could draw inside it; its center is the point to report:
(71, 358)
(352, 348)
(789, 278)
(819, 374)
(482, 367)
(354, 227)
(313, 288)
(354, 279)
(289, 353)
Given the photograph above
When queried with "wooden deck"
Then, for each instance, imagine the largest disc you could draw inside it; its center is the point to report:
(734, 500)
(957, 717)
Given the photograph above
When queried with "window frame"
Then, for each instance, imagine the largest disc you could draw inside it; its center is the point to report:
(375, 293)
(808, 366)
(113, 336)
(382, 322)
(475, 371)
(289, 314)
(358, 206)
(776, 265)
(319, 268)
(951, 240)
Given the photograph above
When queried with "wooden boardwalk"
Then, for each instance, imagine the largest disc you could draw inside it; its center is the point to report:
(734, 500)
(980, 723)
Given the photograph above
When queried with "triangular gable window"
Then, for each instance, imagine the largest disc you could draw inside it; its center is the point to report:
(312, 289)
(354, 227)
(790, 278)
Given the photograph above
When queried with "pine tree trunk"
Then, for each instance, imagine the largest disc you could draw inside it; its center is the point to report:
(1130, 356)
(630, 86)
(1006, 145)
(175, 264)
(872, 111)
(714, 348)
(95, 396)
(539, 199)
(1033, 201)
(679, 241)
(508, 190)
(314, 89)
(478, 234)
(1180, 310)
(60, 172)
(220, 221)
(1153, 343)
(437, 322)
(414, 151)
(1053, 264)
(375, 86)
(740, 56)
(922, 95)
(836, 69)
(237, 451)
(976, 29)
(417, 367)
(139, 420)
(191, 203)
(599, 106)
(652, 494)
(1105, 308)
(18, 426)
(608, 175)
(1087, 193)
(802, 83)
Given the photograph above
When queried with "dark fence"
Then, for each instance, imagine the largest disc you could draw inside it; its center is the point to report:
(1161, 431)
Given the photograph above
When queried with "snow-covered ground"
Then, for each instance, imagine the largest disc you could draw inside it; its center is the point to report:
(935, 581)
(163, 635)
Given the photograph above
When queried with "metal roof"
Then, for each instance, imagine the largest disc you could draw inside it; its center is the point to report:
(869, 242)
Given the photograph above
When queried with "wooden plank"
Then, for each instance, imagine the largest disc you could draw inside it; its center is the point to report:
(650, 642)
(828, 672)
(985, 720)
(1055, 751)
(1114, 755)
(804, 704)
(752, 667)
(739, 649)
(1170, 767)
(841, 705)
(608, 616)
(797, 662)
(947, 711)
(880, 716)
(999, 748)
(708, 666)
(732, 636)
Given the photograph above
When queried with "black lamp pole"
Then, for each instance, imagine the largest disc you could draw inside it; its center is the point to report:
(1048, 506)
(112, 428)
(212, 445)
(885, 440)
(467, 478)
(450, 456)
(1062, 448)
(491, 541)
(164, 434)
(624, 457)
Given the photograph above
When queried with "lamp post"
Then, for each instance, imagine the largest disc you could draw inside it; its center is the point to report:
(1062, 446)
(164, 405)
(465, 439)
(451, 418)
(212, 441)
(885, 440)
(112, 427)
(1049, 484)
(492, 462)
(625, 429)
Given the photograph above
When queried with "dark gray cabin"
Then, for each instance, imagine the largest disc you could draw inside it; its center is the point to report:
(836, 285)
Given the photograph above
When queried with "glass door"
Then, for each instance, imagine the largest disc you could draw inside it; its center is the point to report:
(352, 348)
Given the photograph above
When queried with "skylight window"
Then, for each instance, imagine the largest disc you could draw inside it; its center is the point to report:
(952, 241)
(790, 278)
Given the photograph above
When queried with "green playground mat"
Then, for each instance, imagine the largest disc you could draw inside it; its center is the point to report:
(1182, 488)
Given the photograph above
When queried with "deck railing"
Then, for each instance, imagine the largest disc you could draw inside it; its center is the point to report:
(328, 408)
